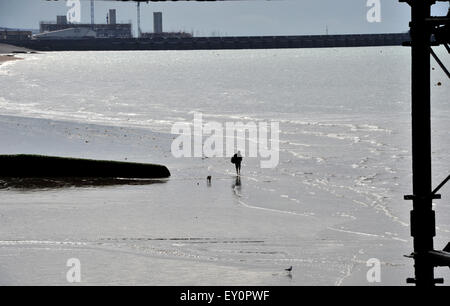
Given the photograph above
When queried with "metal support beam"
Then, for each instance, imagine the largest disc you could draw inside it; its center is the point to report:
(422, 215)
(440, 63)
(423, 227)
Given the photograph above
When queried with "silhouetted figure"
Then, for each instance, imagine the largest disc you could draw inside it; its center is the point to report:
(237, 161)
(208, 179)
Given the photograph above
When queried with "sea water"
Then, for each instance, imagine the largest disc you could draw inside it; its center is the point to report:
(333, 201)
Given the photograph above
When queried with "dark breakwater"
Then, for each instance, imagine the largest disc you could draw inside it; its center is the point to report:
(36, 166)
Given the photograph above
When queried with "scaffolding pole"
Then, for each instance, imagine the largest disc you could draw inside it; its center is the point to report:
(422, 215)
(424, 30)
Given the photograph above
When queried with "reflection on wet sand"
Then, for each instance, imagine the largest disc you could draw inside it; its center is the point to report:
(56, 183)
(237, 185)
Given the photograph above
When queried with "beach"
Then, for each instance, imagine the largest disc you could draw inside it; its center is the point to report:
(179, 231)
(333, 203)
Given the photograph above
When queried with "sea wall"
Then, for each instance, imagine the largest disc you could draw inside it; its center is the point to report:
(212, 43)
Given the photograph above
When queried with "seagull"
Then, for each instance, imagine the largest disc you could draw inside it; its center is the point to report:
(288, 269)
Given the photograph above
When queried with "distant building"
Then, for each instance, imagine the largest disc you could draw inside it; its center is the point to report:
(61, 19)
(110, 30)
(112, 19)
(157, 23)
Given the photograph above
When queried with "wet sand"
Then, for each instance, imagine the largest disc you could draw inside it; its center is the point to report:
(7, 58)
(180, 231)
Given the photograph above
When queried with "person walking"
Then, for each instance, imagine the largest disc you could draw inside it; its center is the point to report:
(237, 161)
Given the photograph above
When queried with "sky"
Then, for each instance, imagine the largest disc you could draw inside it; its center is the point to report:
(239, 18)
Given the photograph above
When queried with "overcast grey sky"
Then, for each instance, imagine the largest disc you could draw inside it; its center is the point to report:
(251, 17)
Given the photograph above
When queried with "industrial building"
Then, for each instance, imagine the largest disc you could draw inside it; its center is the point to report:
(111, 29)
(65, 36)
(64, 29)
(111, 17)
(157, 23)
(158, 32)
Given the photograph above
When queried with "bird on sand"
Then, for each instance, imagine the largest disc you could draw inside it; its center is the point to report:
(288, 269)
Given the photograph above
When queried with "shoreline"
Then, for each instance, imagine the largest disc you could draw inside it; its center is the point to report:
(45, 136)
